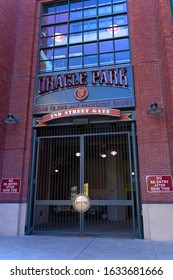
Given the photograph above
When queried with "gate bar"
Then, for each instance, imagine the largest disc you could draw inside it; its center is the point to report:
(137, 186)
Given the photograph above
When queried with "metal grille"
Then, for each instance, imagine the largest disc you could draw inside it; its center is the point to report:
(96, 160)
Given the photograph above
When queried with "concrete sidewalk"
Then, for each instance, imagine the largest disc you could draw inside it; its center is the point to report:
(82, 248)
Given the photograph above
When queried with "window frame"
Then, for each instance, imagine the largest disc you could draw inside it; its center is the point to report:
(63, 39)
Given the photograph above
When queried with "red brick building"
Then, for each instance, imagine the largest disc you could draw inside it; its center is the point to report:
(58, 61)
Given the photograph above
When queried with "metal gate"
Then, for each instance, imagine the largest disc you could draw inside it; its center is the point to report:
(98, 161)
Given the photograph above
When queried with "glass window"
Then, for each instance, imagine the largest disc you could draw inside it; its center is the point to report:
(90, 24)
(47, 42)
(119, 8)
(60, 39)
(50, 9)
(90, 49)
(45, 66)
(75, 5)
(106, 59)
(75, 51)
(61, 17)
(60, 53)
(90, 61)
(104, 34)
(106, 46)
(120, 20)
(122, 57)
(75, 15)
(90, 36)
(62, 28)
(60, 64)
(122, 32)
(75, 62)
(103, 2)
(75, 38)
(90, 13)
(76, 34)
(46, 54)
(61, 8)
(75, 27)
(47, 31)
(48, 19)
(105, 22)
(105, 10)
(122, 44)
(89, 3)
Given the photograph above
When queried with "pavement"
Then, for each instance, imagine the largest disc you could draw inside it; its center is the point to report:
(82, 248)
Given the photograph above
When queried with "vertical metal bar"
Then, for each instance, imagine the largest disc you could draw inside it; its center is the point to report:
(138, 201)
(81, 180)
(131, 182)
(31, 184)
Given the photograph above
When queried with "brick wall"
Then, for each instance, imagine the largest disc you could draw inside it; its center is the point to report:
(151, 27)
(19, 97)
(8, 25)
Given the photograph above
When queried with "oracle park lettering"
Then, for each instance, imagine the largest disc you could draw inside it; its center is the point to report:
(109, 88)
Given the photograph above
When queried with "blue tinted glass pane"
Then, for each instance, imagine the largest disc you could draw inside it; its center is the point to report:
(46, 54)
(120, 20)
(47, 31)
(105, 10)
(62, 28)
(104, 34)
(47, 42)
(61, 17)
(106, 59)
(90, 13)
(60, 64)
(122, 57)
(122, 44)
(119, 8)
(61, 8)
(49, 9)
(74, 5)
(90, 24)
(90, 61)
(60, 53)
(117, 1)
(90, 49)
(105, 22)
(75, 15)
(102, 2)
(48, 19)
(90, 36)
(75, 51)
(45, 66)
(75, 62)
(89, 3)
(106, 46)
(60, 39)
(122, 32)
(75, 27)
(75, 38)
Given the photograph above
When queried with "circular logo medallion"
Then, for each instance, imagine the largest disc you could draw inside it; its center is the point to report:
(81, 93)
(81, 203)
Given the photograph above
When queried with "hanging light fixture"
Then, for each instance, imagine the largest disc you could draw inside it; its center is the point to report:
(154, 109)
(11, 119)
